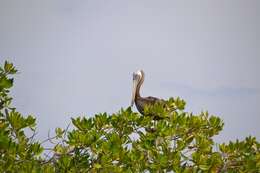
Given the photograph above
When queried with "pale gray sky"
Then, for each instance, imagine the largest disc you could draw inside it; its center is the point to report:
(77, 57)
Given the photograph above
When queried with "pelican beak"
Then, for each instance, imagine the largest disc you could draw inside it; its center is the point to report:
(134, 91)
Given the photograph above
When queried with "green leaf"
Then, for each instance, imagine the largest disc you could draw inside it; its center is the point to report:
(59, 132)
(36, 148)
(204, 167)
(97, 166)
(30, 121)
(5, 83)
(9, 68)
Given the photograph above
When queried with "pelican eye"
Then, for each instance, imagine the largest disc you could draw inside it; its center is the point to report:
(135, 76)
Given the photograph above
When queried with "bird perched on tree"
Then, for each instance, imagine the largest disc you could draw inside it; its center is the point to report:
(141, 102)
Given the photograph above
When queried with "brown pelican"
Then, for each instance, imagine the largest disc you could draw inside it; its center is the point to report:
(141, 102)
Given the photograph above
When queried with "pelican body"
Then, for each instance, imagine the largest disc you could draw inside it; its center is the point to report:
(141, 102)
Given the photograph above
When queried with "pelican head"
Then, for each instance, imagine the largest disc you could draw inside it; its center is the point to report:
(138, 78)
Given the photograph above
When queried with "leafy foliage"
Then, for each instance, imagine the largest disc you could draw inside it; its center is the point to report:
(18, 153)
(126, 141)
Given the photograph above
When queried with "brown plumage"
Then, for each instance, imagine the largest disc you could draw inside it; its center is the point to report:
(141, 102)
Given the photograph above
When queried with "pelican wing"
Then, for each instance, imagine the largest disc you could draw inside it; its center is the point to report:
(141, 102)
(152, 100)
